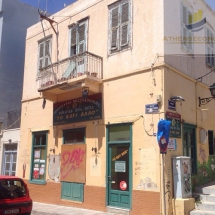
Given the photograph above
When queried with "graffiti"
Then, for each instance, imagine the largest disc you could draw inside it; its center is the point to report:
(168, 192)
(147, 184)
(71, 161)
(206, 170)
(54, 167)
(187, 183)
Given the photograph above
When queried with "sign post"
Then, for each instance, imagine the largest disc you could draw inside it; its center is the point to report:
(163, 139)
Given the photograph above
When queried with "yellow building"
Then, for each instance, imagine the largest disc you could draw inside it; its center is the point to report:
(99, 76)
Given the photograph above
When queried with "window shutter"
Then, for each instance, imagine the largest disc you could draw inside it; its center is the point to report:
(124, 24)
(47, 53)
(125, 13)
(114, 27)
(81, 38)
(185, 15)
(41, 54)
(73, 36)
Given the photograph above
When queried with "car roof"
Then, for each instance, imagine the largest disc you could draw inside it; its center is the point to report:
(9, 177)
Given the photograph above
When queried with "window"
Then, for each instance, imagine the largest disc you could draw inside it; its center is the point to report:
(211, 143)
(209, 48)
(44, 55)
(78, 38)
(119, 26)
(187, 34)
(39, 157)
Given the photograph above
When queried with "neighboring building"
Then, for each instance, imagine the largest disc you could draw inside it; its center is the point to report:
(15, 18)
(10, 140)
(100, 150)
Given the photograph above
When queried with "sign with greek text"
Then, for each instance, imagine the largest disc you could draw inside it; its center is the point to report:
(151, 108)
(77, 110)
(175, 126)
(120, 166)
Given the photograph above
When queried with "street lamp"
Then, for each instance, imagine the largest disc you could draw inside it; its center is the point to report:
(204, 101)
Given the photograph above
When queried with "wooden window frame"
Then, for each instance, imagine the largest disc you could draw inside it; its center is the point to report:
(122, 24)
(44, 59)
(75, 44)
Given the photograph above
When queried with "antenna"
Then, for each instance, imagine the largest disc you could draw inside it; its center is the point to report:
(46, 5)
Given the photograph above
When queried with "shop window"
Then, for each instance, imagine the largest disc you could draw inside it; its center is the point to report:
(119, 26)
(38, 159)
(211, 143)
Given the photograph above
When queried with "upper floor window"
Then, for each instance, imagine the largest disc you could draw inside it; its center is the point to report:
(78, 38)
(187, 34)
(119, 26)
(209, 48)
(44, 53)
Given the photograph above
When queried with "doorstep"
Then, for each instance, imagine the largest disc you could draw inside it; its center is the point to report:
(118, 211)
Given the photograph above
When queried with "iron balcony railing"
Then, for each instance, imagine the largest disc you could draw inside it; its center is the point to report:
(69, 68)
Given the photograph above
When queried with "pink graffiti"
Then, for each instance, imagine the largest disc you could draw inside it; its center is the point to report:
(71, 161)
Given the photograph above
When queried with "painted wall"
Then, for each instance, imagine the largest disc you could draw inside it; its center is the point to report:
(15, 18)
(145, 46)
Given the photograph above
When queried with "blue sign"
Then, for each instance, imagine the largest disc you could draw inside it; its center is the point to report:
(171, 105)
(152, 108)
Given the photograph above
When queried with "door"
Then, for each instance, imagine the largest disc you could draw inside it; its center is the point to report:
(118, 176)
(189, 145)
(72, 190)
(119, 172)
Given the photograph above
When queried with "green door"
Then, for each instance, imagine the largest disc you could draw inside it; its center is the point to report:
(119, 165)
(189, 145)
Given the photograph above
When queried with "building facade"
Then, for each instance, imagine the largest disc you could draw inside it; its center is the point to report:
(103, 75)
(15, 18)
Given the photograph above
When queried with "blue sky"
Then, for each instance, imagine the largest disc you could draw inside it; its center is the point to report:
(211, 3)
(53, 6)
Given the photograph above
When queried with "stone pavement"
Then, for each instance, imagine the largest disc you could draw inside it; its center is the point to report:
(51, 209)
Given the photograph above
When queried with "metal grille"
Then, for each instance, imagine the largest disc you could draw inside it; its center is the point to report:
(13, 119)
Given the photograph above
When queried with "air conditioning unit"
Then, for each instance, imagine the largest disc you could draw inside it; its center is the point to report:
(203, 135)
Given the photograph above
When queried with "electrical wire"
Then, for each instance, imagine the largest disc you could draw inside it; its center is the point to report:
(200, 78)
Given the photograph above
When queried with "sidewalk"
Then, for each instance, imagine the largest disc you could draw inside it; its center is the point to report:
(50, 209)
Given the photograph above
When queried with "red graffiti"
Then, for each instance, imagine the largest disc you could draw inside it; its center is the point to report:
(71, 161)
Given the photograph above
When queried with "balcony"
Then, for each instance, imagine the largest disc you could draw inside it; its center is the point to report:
(72, 73)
